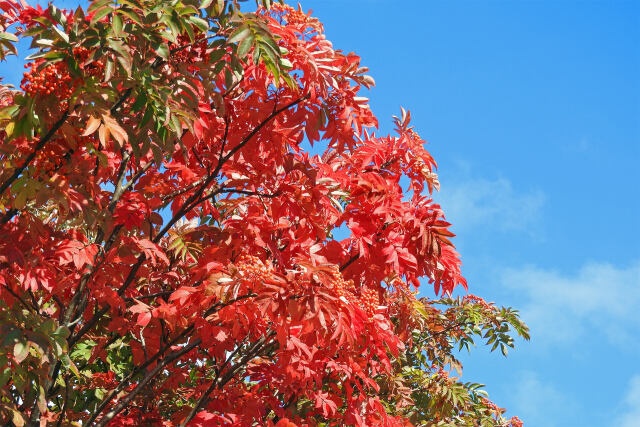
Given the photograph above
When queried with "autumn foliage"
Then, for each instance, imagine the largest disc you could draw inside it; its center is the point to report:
(199, 225)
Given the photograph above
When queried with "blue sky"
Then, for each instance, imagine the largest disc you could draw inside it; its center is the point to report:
(532, 110)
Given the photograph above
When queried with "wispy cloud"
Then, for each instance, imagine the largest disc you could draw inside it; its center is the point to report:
(471, 202)
(631, 416)
(598, 298)
(530, 394)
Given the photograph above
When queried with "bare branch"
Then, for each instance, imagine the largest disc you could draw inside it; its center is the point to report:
(122, 403)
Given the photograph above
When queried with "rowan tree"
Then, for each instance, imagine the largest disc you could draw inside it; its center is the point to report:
(171, 254)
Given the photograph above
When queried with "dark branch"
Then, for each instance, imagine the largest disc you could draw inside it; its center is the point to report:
(249, 193)
(16, 173)
(122, 403)
(351, 261)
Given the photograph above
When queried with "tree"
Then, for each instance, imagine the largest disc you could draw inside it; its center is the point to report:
(170, 253)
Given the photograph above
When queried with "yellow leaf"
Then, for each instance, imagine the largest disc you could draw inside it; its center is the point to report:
(103, 134)
(17, 418)
(115, 129)
(92, 125)
(9, 128)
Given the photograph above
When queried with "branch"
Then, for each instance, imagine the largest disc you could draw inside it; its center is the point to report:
(211, 387)
(257, 129)
(249, 193)
(169, 197)
(219, 305)
(39, 146)
(351, 261)
(121, 101)
(252, 352)
(23, 302)
(150, 296)
(63, 410)
(189, 204)
(147, 378)
(8, 215)
(119, 189)
(137, 176)
(48, 136)
(105, 401)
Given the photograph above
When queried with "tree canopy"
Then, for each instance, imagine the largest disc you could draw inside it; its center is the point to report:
(199, 225)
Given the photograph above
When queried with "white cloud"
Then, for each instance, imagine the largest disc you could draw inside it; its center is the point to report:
(530, 394)
(631, 417)
(560, 308)
(470, 202)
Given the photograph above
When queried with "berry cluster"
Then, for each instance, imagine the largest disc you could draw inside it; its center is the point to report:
(291, 15)
(92, 68)
(368, 300)
(253, 268)
(53, 79)
(492, 406)
(443, 375)
(341, 287)
(515, 422)
(402, 288)
(481, 302)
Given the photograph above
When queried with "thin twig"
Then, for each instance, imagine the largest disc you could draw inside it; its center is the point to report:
(16, 173)
(351, 261)
(23, 302)
(147, 378)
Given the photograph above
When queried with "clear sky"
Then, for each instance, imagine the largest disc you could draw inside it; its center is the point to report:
(532, 110)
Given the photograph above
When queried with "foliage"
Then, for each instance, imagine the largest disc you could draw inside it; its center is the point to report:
(168, 247)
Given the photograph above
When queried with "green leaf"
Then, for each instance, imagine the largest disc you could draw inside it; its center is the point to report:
(200, 23)
(158, 154)
(20, 351)
(239, 34)
(273, 69)
(131, 15)
(64, 36)
(216, 55)
(228, 78)
(264, 47)
(125, 61)
(245, 45)
(116, 23)
(504, 349)
(97, 5)
(52, 56)
(163, 51)
(100, 14)
(268, 40)
(9, 111)
(190, 33)
(108, 69)
(68, 363)
(285, 63)
(146, 117)
(99, 393)
(176, 124)
(8, 36)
